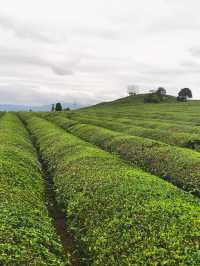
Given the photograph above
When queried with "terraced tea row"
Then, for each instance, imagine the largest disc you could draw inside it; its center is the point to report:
(27, 235)
(146, 123)
(1, 114)
(120, 215)
(169, 112)
(179, 166)
(181, 139)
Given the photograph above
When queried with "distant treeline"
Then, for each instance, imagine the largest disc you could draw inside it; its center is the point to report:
(160, 95)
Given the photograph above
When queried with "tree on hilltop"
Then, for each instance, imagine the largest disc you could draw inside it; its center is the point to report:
(162, 91)
(184, 94)
(133, 90)
(58, 107)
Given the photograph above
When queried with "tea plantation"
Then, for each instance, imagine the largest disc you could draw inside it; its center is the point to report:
(113, 184)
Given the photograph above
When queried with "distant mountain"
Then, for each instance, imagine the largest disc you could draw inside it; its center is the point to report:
(42, 108)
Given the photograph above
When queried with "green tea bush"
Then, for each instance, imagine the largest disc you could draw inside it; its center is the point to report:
(1, 113)
(178, 165)
(172, 126)
(27, 235)
(119, 215)
(168, 136)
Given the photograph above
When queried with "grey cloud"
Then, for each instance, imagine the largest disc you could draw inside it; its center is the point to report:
(195, 51)
(105, 47)
(170, 24)
(102, 33)
(164, 71)
(8, 57)
(191, 66)
(23, 30)
(61, 71)
(20, 93)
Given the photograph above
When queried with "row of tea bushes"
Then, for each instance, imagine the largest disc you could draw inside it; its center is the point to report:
(178, 165)
(27, 235)
(173, 126)
(120, 215)
(1, 114)
(184, 116)
(169, 136)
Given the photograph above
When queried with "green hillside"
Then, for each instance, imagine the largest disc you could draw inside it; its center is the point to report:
(138, 99)
(134, 108)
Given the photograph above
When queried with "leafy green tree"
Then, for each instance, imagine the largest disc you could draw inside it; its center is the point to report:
(58, 107)
(161, 92)
(184, 94)
(152, 98)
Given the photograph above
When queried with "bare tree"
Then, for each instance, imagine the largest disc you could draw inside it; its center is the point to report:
(133, 90)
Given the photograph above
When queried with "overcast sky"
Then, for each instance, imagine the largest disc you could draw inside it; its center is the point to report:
(89, 51)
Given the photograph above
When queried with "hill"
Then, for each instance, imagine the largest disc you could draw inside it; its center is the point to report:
(133, 108)
(138, 99)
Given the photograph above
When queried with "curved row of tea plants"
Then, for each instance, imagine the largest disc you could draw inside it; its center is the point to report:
(173, 126)
(181, 139)
(178, 165)
(186, 113)
(1, 114)
(27, 236)
(120, 215)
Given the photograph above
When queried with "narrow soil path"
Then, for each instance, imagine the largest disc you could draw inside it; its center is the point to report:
(55, 212)
(59, 218)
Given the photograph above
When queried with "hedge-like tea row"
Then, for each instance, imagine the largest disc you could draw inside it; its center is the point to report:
(179, 166)
(187, 113)
(173, 126)
(119, 215)
(1, 114)
(163, 125)
(181, 139)
(27, 236)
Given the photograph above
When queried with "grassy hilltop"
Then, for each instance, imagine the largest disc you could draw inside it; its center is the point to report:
(133, 107)
(137, 99)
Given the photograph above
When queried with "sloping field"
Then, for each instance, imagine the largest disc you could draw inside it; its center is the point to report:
(119, 214)
(112, 185)
(168, 134)
(133, 108)
(179, 166)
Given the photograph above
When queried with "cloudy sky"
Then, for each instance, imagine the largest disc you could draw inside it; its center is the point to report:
(89, 51)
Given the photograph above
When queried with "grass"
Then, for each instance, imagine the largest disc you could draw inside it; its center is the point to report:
(27, 235)
(120, 215)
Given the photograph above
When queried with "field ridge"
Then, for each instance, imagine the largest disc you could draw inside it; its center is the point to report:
(54, 210)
